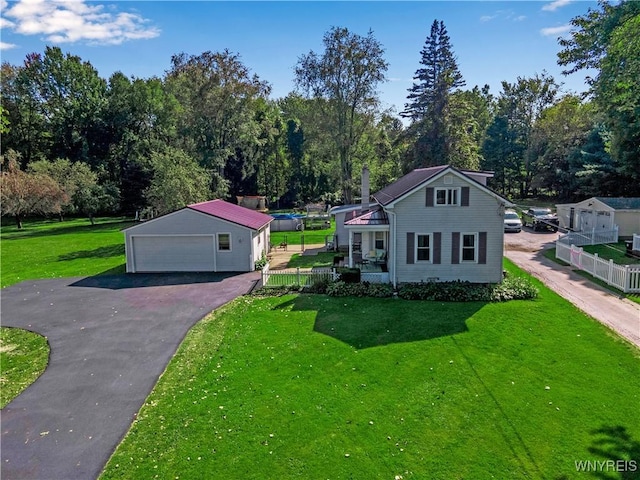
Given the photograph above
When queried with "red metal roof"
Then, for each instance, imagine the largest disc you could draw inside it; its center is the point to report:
(374, 217)
(233, 213)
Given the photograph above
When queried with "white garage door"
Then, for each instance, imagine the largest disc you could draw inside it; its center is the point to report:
(174, 253)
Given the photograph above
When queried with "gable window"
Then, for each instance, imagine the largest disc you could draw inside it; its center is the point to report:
(447, 196)
(224, 242)
(469, 247)
(423, 247)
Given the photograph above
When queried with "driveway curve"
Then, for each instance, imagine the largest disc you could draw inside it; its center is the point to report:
(526, 249)
(111, 337)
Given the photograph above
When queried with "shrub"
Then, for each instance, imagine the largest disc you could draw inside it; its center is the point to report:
(512, 288)
(260, 264)
(317, 285)
(365, 289)
(349, 275)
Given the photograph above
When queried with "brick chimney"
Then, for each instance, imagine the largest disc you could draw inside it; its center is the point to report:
(365, 189)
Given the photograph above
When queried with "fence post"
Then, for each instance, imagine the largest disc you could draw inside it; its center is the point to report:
(298, 276)
(610, 269)
(627, 279)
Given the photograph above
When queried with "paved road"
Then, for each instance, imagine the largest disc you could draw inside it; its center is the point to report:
(110, 339)
(619, 314)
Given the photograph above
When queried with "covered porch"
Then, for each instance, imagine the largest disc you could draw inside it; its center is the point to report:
(369, 245)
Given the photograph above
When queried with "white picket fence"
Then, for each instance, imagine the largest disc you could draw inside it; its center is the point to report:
(298, 277)
(623, 277)
(301, 277)
(594, 237)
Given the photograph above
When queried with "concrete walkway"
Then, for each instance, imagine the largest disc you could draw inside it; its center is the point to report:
(619, 314)
(111, 337)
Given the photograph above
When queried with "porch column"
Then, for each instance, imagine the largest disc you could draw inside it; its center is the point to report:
(350, 248)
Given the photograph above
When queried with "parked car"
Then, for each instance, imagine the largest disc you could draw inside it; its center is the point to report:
(512, 222)
(540, 218)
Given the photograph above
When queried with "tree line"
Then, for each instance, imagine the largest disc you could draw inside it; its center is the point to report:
(75, 143)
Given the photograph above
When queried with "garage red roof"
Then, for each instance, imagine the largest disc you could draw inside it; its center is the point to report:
(233, 213)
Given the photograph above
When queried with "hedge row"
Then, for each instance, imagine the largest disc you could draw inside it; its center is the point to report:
(512, 288)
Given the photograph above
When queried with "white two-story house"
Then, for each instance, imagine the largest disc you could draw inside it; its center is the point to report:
(433, 224)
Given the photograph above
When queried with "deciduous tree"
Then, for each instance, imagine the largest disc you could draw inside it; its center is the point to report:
(23, 193)
(344, 78)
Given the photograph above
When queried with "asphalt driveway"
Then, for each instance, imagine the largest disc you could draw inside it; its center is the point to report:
(111, 337)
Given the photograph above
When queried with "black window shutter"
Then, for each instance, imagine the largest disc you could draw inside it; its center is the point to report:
(464, 201)
(410, 247)
(429, 197)
(437, 241)
(455, 247)
(482, 248)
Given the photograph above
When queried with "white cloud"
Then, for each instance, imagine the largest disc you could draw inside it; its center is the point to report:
(7, 46)
(555, 5)
(508, 15)
(556, 31)
(69, 21)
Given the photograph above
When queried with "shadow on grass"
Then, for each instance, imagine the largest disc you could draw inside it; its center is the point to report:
(138, 280)
(108, 251)
(62, 228)
(365, 323)
(619, 450)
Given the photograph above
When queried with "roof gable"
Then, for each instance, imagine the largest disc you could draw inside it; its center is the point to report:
(233, 213)
(416, 179)
(406, 183)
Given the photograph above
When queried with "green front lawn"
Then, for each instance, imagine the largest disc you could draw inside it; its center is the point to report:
(310, 386)
(23, 357)
(50, 249)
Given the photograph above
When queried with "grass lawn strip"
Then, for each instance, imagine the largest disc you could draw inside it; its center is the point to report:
(321, 259)
(615, 252)
(53, 249)
(23, 357)
(315, 387)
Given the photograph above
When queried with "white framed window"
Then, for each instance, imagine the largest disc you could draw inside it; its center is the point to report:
(447, 196)
(379, 240)
(469, 247)
(224, 242)
(424, 244)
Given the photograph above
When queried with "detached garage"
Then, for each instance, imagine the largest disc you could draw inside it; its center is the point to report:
(214, 236)
(602, 213)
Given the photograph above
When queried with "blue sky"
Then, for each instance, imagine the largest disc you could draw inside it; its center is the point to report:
(493, 41)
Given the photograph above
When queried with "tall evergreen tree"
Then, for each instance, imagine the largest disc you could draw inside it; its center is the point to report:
(429, 99)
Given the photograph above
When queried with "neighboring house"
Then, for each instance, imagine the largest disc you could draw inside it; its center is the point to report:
(602, 214)
(433, 224)
(214, 236)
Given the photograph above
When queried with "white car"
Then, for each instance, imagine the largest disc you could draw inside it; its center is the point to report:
(512, 222)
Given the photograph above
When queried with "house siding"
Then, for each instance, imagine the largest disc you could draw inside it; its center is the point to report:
(482, 215)
(190, 222)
